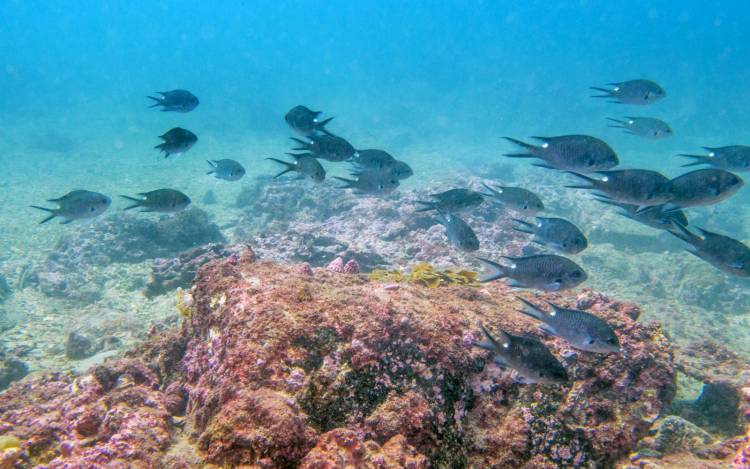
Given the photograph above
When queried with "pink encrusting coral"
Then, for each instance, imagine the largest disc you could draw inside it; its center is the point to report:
(278, 368)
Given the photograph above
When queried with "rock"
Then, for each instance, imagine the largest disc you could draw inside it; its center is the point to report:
(5, 290)
(346, 448)
(673, 434)
(209, 198)
(79, 346)
(11, 369)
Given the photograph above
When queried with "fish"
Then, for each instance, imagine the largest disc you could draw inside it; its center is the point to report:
(734, 158)
(175, 101)
(556, 233)
(305, 164)
(546, 272)
(159, 200)
(639, 92)
(76, 205)
(703, 187)
(226, 169)
(579, 153)
(306, 122)
(373, 159)
(371, 181)
(582, 330)
(327, 146)
(176, 141)
(655, 216)
(528, 356)
(515, 198)
(640, 187)
(459, 233)
(451, 201)
(646, 127)
(726, 254)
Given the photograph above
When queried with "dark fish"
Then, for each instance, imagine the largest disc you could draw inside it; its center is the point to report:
(373, 159)
(703, 187)
(632, 92)
(726, 254)
(656, 217)
(228, 170)
(176, 141)
(556, 233)
(401, 170)
(304, 121)
(328, 147)
(459, 233)
(175, 100)
(731, 158)
(305, 164)
(160, 200)
(452, 201)
(646, 127)
(546, 272)
(640, 187)
(515, 198)
(371, 181)
(531, 359)
(77, 205)
(580, 153)
(582, 330)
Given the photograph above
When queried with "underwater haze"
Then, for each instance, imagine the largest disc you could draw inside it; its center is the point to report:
(440, 86)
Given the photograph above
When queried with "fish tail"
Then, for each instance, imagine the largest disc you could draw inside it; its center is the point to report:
(697, 159)
(495, 270)
(157, 103)
(349, 182)
(531, 309)
(620, 123)
(427, 206)
(681, 232)
(289, 166)
(138, 202)
(320, 126)
(592, 181)
(527, 146)
(525, 227)
(303, 144)
(51, 211)
(607, 93)
(493, 191)
(487, 342)
(212, 165)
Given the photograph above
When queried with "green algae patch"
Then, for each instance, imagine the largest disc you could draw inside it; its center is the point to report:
(426, 275)
(9, 442)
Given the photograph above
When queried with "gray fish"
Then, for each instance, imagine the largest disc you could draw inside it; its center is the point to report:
(646, 127)
(77, 205)
(459, 233)
(452, 201)
(703, 187)
(175, 100)
(580, 153)
(515, 198)
(160, 200)
(328, 147)
(176, 141)
(726, 254)
(306, 122)
(632, 186)
(546, 272)
(371, 181)
(639, 92)
(582, 330)
(226, 169)
(655, 217)
(556, 233)
(305, 164)
(373, 159)
(731, 158)
(528, 356)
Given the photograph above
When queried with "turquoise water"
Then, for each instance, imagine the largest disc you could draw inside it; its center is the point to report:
(434, 83)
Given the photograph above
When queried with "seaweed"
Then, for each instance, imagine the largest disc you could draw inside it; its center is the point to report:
(426, 275)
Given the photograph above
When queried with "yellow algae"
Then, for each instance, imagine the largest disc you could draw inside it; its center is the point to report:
(185, 304)
(426, 275)
(8, 442)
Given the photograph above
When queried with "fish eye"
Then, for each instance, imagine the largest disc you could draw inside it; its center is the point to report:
(541, 374)
(92, 209)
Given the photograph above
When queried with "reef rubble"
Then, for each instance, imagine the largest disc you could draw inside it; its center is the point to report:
(275, 367)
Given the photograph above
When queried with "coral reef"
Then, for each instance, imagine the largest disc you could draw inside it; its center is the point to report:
(178, 272)
(71, 271)
(274, 367)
